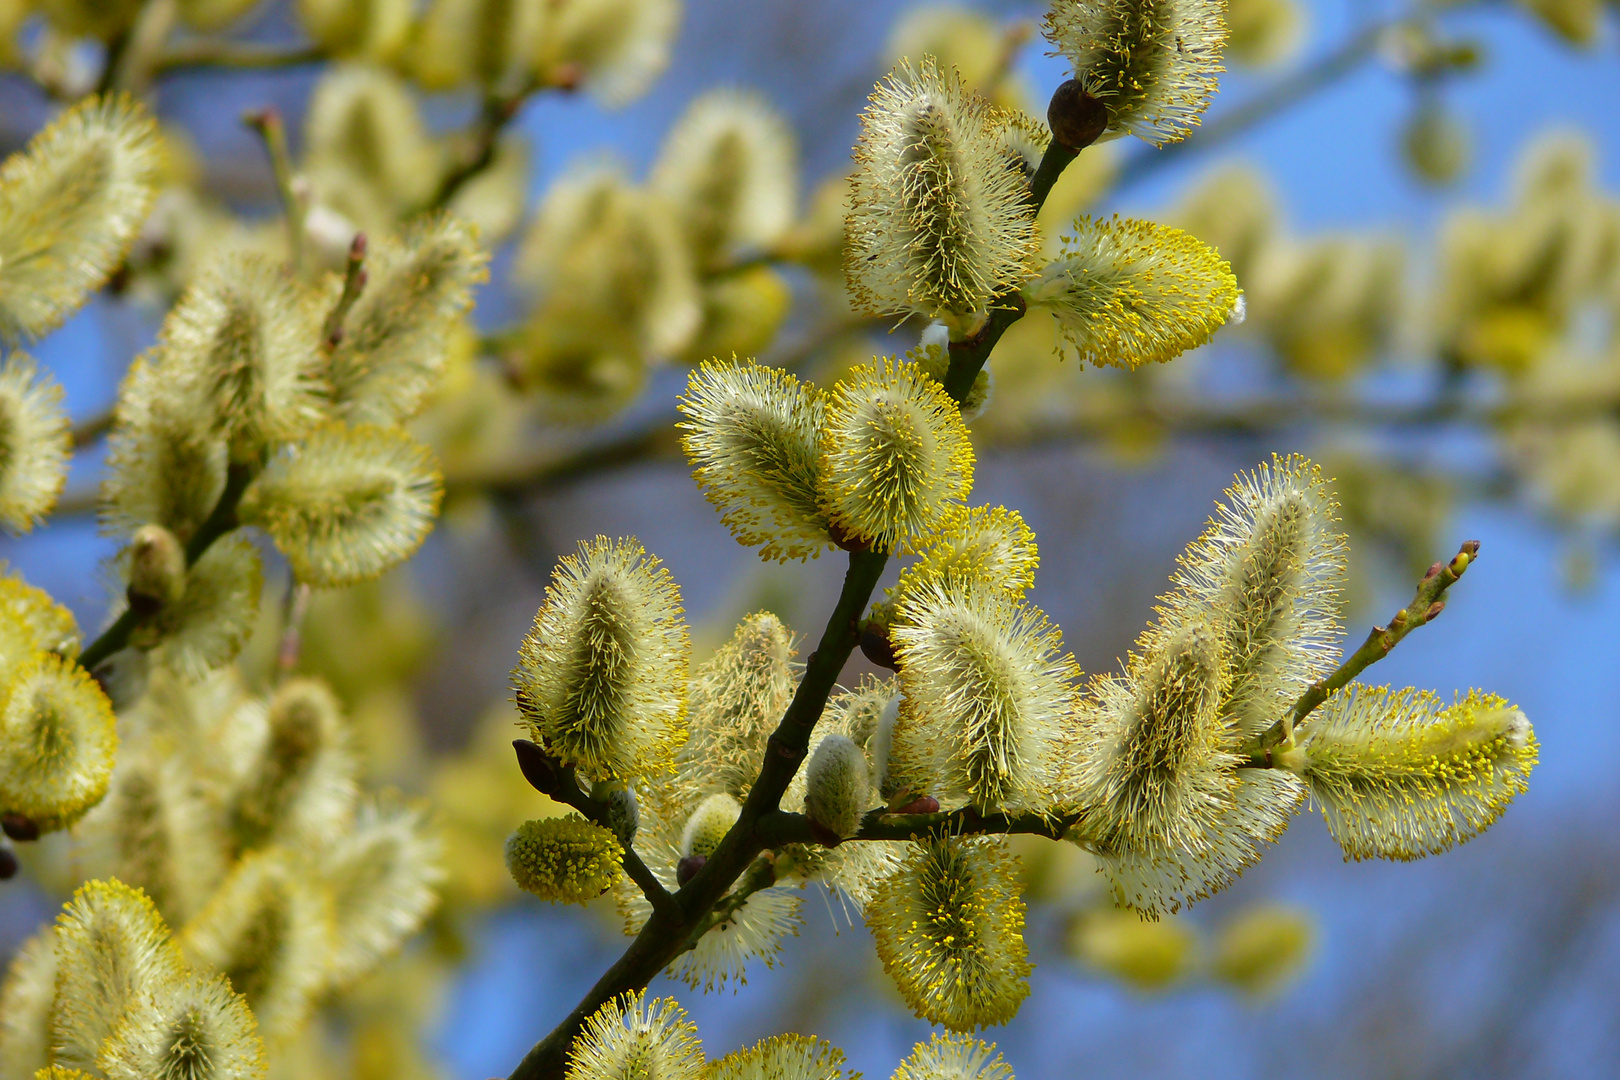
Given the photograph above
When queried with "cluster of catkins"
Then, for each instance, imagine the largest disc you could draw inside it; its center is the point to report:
(1165, 771)
(274, 398)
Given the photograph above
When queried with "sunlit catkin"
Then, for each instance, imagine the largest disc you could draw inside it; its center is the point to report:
(1400, 775)
(57, 741)
(35, 442)
(30, 622)
(895, 456)
(112, 949)
(347, 503)
(382, 875)
(27, 995)
(239, 346)
(736, 698)
(70, 206)
(394, 340)
(601, 676)
(1269, 568)
(1127, 292)
(368, 155)
(949, 928)
(631, 1037)
(783, 1057)
(987, 692)
(953, 1057)
(1153, 63)
(197, 1029)
(564, 860)
(938, 223)
(729, 167)
(269, 930)
(751, 435)
(989, 543)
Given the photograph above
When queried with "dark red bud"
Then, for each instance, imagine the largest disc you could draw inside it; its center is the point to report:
(923, 804)
(8, 864)
(687, 868)
(1077, 119)
(19, 828)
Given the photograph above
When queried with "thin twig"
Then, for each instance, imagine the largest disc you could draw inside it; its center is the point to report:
(209, 53)
(354, 283)
(267, 122)
(1427, 603)
(88, 432)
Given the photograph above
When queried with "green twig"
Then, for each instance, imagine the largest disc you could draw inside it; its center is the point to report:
(267, 122)
(209, 53)
(1428, 602)
(354, 283)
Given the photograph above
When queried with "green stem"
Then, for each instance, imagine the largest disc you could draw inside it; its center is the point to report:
(267, 122)
(235, 56)
(1427, 603)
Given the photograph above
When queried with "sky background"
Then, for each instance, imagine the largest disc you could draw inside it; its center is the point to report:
(1496, 959)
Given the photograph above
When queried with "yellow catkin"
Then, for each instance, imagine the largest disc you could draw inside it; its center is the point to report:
(1127, 292)
(953, 1057)
(631, 1036)
(57, 741)
(783, 1057)
(949, 930)
(35, 443)
(565, 860)
(895, 456)
(1400, 775)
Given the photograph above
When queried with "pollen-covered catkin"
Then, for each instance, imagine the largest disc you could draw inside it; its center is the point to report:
(987, 692)
(601, 676)
(989, 543)
(783, 1057)
(565, 860)
(382, 875)
(206, 626)
(269, 928)
(27, 999)
(895, 456)
(70, 206)
(57, 741)
(729, 168)
(35, 443)
(112, 948)
(751, 435)
(949, 930)
(736, 698)
(953, 1057)
(1126, 292)
(1153, 63)
(632, 1036)
(1400, 775)
(939, 220)
(302, 786)
(1269, 568)
(838, 786)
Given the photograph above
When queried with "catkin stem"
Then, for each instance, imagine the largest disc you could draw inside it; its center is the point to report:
(668, 932)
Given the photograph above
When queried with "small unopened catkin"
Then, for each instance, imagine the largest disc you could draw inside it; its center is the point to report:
(838, 786)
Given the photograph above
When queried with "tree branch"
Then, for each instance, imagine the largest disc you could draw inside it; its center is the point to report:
(779, 828)
(666, 934)
(1428, 602)
(211, 53)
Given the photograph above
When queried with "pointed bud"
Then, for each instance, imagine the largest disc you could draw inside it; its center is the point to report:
(565, 860)
(157, 569)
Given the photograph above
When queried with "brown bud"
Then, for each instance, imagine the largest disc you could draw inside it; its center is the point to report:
(922, 804)
(536, 766)
(822, 835)
(19, 828)
(1077, 119)
(688, 867)
(8, 864)
(1434, 609)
